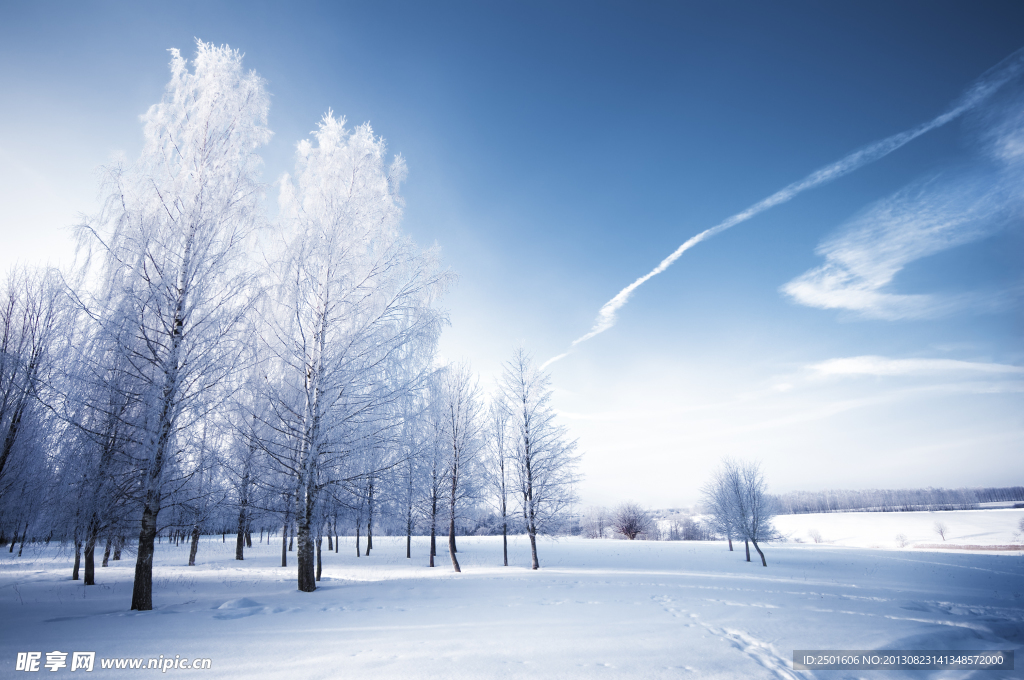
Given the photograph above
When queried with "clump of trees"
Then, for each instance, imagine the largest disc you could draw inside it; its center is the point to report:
(737, 501)
(205, 370)
(595, 522)
(688, 528)
(673, 525)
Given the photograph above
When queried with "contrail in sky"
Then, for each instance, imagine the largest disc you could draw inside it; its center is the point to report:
(983, 88)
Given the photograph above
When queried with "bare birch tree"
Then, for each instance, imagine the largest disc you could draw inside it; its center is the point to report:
(172, 239)
(718, 502)
(460, 410)
(435, 466)
(545, 460)
(30, 313)
(738, 499)
(755, 507)
(351, 292)
(499, 461)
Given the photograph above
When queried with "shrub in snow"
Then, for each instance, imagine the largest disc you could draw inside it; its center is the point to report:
(902, 540)
(631, 520)
(941, 529)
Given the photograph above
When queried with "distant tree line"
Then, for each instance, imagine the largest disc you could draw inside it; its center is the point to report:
(893, 500)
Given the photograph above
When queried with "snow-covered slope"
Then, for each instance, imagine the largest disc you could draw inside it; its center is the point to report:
(997, 527)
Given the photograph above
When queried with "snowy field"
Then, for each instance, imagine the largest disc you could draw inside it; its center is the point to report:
(1000, 527)
(596, 609)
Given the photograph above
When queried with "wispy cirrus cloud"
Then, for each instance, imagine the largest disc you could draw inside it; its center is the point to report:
(884, 366)
(862, 261)
(928, 217)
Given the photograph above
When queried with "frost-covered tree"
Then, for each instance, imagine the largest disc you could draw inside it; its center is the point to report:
(411, 436)
(42, 479)
(411, 472)
(755, 507)
(460, 413)
(378, 457)
(544, 459)
(100, 407)
(172, 241)
(737, 498)
(245, 438)
(200, 498)
(243, 467)
(498, 463)
(351, 292)
(718, 504)
(33, 317)
(435, 465)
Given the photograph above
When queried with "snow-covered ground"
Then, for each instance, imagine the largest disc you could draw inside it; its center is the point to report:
(597, 608)
(997, 527)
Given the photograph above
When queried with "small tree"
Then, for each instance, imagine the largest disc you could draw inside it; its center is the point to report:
(738, 500)
(435, 465)
(498, 462)
(595, 521)
(717, 501)
(754, 508)
(544, 459)
(631, 520)
(461, 416)
(941, 529)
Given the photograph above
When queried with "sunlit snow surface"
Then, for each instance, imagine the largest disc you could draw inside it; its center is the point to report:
(596, 609)
(883, 529)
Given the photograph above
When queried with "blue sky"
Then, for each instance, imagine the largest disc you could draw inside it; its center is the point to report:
(558, 151)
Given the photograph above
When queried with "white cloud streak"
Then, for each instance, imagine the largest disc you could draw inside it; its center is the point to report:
(915, 223)
(871, 365)
(981, 90)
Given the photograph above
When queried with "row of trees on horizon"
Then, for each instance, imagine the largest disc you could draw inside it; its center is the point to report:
(894, 500)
